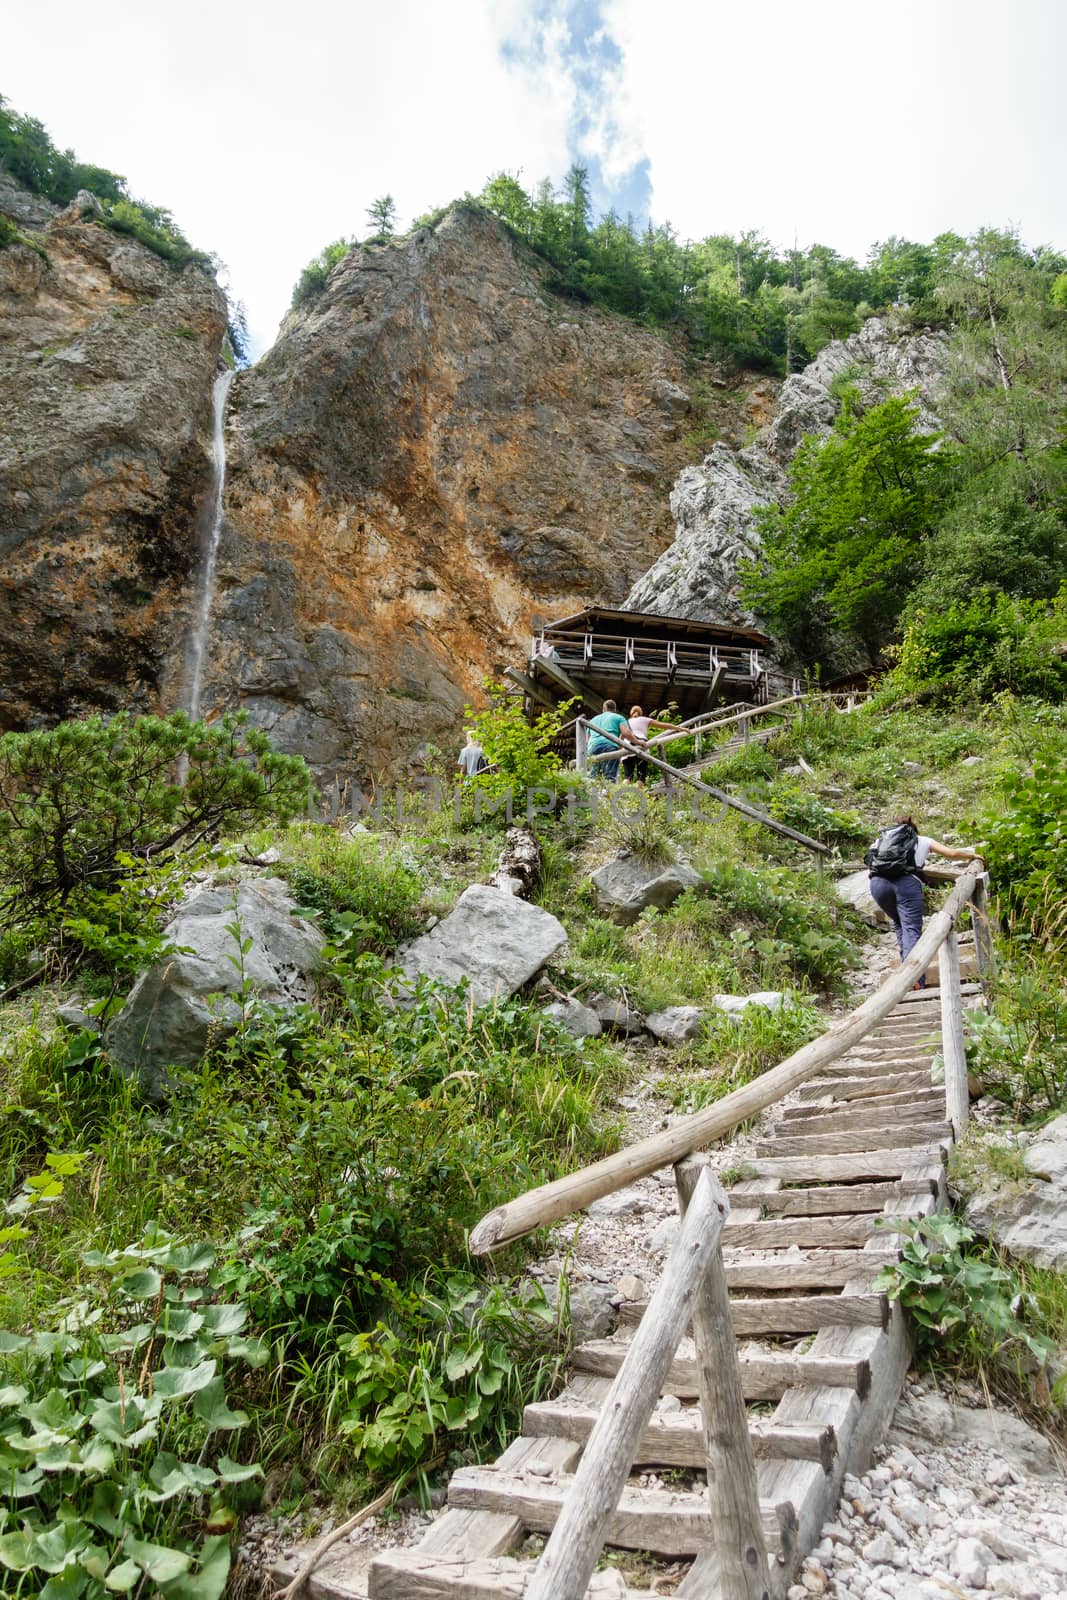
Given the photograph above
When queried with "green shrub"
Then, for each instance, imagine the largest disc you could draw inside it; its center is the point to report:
(1026, 838)
(356, 886)
(93, 810)
(111, 1434)
(987, 645)
(962, 1305)
(312, 280)
(1019, 1051)
(518, 751)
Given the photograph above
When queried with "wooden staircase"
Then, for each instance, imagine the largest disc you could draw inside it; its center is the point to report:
(810, 1227)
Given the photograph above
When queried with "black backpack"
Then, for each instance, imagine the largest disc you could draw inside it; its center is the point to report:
(892, 855)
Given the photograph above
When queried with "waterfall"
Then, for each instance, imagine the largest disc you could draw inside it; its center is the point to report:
(210, 526)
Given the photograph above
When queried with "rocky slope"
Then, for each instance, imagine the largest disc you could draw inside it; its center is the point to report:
(107, 355)
(434, 451)
(714, 505)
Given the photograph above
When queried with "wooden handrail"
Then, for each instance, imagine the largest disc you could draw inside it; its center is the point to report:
(753, 814)
(551, 1201)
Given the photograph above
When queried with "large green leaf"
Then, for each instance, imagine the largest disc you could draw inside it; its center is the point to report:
(15, 1550)
(66, 1585)
(208, 1582)
(142, 1284)
(172, 1477)
(123, 1577)
(170, 1383)
(234, 1472)
(222, 1321)
(13, 1394)
(191, 1257)
(210, 1405)
(157, 1561)
(56, 1547)
(128, 1425)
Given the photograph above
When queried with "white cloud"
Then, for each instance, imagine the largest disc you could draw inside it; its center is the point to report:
(268, 129)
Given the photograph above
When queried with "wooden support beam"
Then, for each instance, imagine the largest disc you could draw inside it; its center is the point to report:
(528, 686)
(592, 1509)
(552, 669)
(957, 1100)
(733, 1497)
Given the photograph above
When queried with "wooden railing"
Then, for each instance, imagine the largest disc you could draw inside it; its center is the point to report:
(693, 1286)
(674, 773)
(666, 657)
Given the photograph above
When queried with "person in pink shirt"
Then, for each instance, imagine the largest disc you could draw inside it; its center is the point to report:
(633, 767)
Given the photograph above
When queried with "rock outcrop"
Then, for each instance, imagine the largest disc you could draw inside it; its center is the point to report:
(435, 450)
(107, 356)
(198, 990)
(490, 939)
(715, 505)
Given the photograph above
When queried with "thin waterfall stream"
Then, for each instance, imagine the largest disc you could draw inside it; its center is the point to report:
(210, 532)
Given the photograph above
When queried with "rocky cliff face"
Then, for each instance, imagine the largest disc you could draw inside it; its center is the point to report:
(107, 355)
(714, 505)
(434, 451)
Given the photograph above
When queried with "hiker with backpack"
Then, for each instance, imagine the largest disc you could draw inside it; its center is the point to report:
(895, 862)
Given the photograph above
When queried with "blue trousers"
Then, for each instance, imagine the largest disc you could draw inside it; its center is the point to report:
(902, 901)
(608, 770)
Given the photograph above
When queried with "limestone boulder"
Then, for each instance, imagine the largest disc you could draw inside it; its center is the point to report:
(855, 891)
(676, 1025)
(616, 1016)
(626, 886)
(579, 1021)
(735, 1004)
(1029, 1219)
(494, 940)
(194, 993)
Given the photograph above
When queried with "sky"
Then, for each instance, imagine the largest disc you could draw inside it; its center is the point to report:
(267, 129)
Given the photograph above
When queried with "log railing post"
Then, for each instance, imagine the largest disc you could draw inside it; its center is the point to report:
(984, 954)
(733, 1495)
(952, 1045)
(574, 1546)
(581, 745)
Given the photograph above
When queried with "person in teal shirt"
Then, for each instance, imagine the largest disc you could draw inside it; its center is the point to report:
(609, 721)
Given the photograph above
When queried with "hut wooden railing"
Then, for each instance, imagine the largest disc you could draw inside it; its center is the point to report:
(693, 1287)
(666, 658)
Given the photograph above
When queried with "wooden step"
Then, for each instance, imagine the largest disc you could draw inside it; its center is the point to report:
(867, 1087)
(668, 1523)
(818, 1269)
(673, 1438)
(833, 1199)
(420, 1575)
(907, 1107)
(824, 1169)
(766, 1376)
(803, 1313)
(780, 1233)
(852, 1138)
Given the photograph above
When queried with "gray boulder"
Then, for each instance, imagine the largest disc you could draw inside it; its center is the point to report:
(931, 1419)
(676, 1025)
(1029, 1219)
(617, 1017)
(734, 1004)
(579, 1021)
(855, 891)
(193, 994)
(626, 886)
(491, 938)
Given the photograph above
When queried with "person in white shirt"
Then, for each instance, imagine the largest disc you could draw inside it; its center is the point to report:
(896, 860)
(640, 726)
(471, 758)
